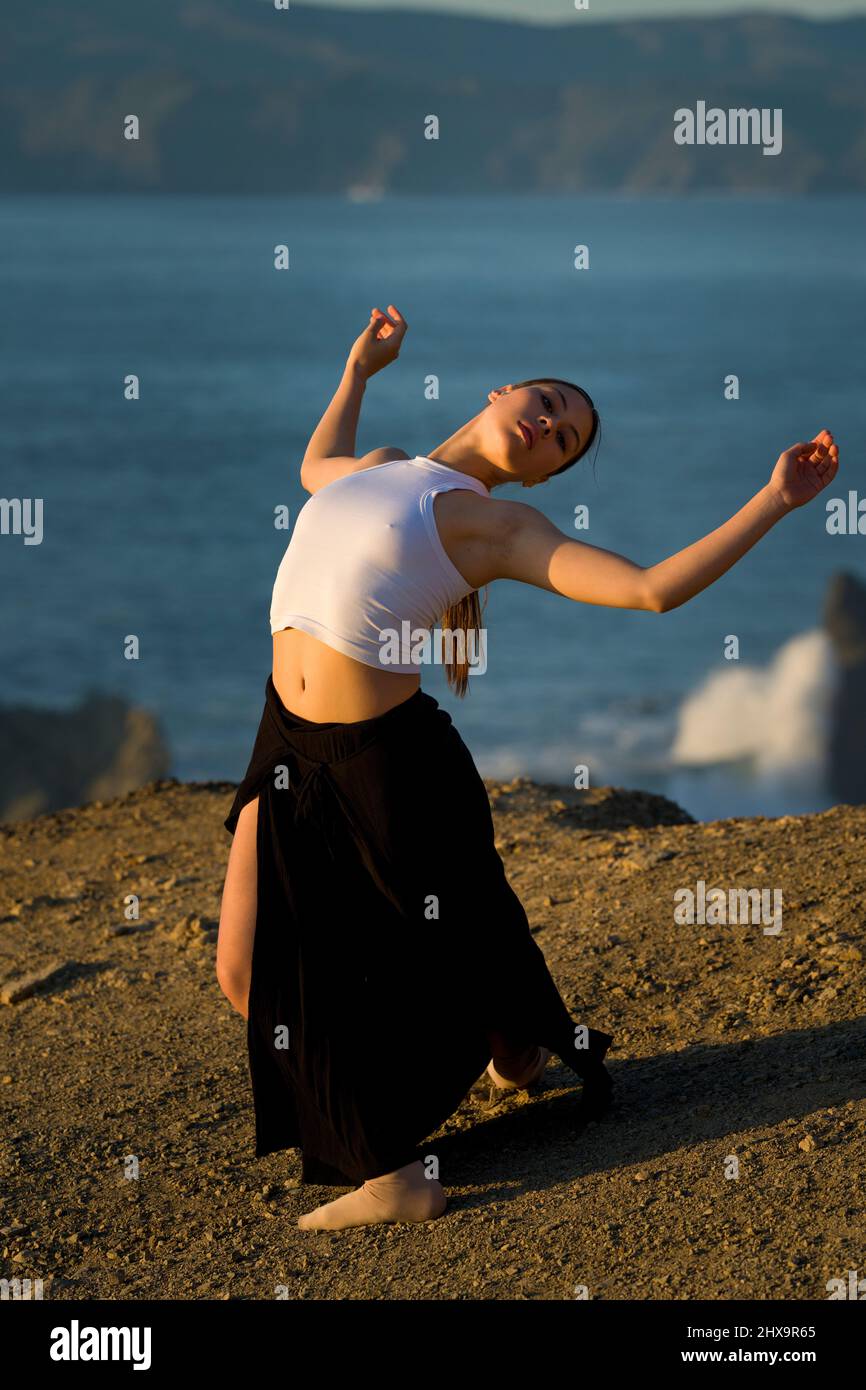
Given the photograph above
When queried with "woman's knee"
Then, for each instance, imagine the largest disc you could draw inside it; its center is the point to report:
(233, 981)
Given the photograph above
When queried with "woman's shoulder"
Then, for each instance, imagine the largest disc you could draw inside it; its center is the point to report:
(470, 514)
(489, 511)
(317, 474)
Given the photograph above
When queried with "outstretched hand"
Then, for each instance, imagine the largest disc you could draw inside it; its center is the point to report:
(380, 341)
(805, 470)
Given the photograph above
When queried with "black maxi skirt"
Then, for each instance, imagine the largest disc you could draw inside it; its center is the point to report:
(388, 946)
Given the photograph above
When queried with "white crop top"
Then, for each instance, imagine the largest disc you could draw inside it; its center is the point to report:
(365, 558)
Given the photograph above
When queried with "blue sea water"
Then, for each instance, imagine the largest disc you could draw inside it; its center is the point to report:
(158, 514)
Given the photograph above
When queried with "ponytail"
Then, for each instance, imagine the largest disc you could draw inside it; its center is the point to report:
(460, 619)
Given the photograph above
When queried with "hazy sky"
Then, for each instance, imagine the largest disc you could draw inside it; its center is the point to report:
(611, 9)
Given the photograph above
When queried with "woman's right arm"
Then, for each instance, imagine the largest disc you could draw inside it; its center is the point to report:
(330, 453)
(524, 545)
(332, 443)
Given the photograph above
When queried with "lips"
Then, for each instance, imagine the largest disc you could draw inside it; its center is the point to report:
(528, 435)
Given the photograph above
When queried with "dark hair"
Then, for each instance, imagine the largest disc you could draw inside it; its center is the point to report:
(465, 615)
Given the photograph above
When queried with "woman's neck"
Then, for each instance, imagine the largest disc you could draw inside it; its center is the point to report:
(460, 452)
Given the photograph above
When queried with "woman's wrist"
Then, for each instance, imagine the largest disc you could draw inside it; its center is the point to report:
(775, 501)
(354, 373)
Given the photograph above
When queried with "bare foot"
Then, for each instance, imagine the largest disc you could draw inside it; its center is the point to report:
(518, 1072)
(405, 1195)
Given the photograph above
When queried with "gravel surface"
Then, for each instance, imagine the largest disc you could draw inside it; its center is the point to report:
(731, 1165)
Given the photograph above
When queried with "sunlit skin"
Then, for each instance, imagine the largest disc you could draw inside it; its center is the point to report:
(522, 435)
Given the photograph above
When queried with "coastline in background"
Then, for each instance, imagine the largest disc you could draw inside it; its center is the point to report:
(158, 514)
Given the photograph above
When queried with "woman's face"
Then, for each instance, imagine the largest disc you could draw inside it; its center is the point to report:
(530, 431)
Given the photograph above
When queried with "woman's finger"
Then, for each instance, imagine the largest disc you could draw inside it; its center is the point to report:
(399, 323)
(830, 462)
(828, 472)
(379, 319)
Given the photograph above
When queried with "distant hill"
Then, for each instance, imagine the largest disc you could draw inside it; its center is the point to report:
(235, 96)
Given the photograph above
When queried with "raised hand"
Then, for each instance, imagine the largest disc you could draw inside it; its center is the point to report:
(379, 343)
(805, 470)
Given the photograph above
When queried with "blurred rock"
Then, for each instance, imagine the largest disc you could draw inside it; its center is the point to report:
(51, 759)
(845, 623)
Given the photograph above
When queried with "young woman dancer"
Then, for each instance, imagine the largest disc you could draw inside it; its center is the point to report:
(368, 933)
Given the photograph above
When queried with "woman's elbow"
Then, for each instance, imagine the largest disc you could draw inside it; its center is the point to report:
(654, 599)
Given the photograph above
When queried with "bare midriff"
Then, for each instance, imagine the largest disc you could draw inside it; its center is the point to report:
(321, 684)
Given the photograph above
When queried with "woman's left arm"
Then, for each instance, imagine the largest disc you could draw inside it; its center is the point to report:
(800, 474)
(521, 543)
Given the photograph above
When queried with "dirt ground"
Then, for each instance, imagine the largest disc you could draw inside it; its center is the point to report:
(731, 1165)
